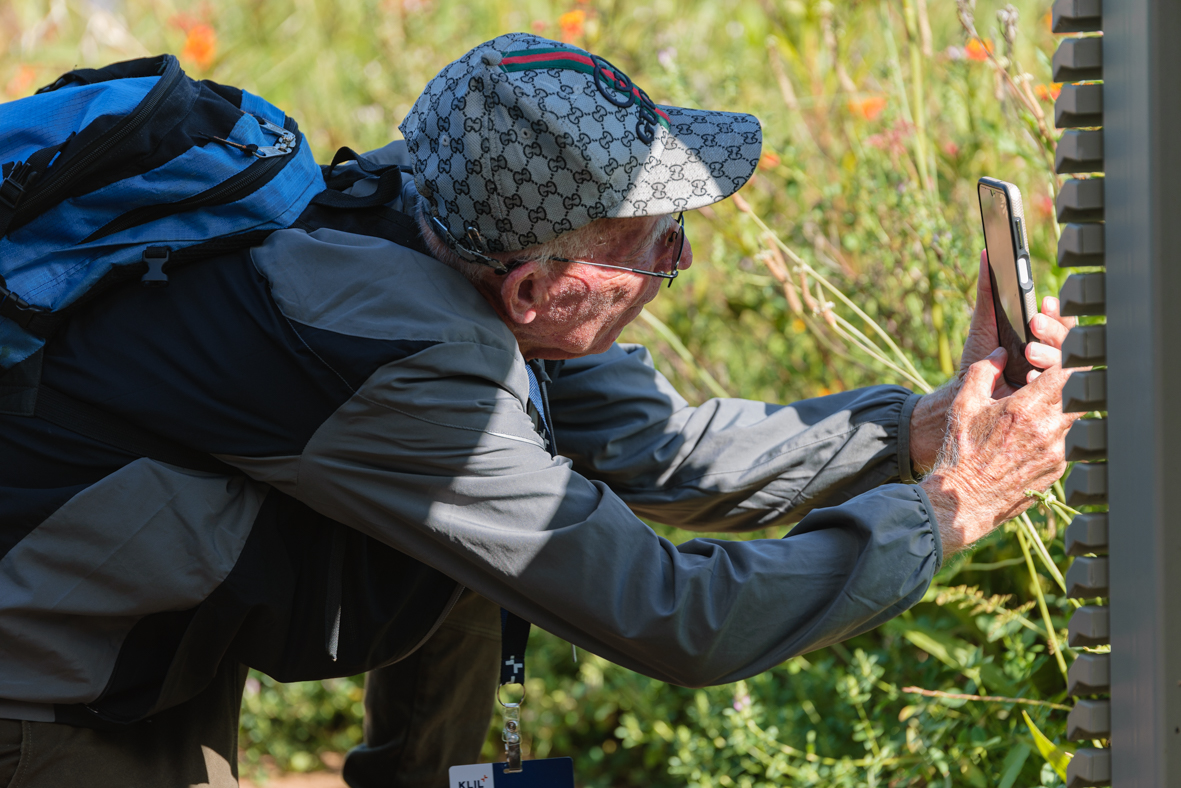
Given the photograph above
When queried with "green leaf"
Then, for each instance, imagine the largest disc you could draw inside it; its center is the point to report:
(959, 654)
(1011, 768)
(1055, 757)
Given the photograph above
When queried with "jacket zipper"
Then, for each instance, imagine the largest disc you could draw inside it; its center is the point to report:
(59, 179)
(230, 190)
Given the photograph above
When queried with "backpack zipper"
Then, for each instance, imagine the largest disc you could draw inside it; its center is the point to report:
(60, 178)
(230, 190)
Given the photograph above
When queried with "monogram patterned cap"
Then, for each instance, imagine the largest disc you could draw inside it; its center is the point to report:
(523, 139)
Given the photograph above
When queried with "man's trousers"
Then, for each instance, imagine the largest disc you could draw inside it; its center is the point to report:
(424, 714)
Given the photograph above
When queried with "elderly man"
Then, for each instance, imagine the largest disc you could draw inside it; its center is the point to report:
(411, 442)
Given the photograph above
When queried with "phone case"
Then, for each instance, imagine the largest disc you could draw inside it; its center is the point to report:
(1014, 284)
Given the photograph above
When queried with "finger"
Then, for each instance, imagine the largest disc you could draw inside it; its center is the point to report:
(1052, 308)
(1046, 389)
(983, 376)
(1032, 375)
(983, 282)
(1050, 330)
(1043, 356)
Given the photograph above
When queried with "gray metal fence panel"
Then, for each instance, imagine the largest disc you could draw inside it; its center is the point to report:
(1142, 131)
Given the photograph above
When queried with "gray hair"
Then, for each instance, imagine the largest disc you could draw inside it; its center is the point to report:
(574, 245)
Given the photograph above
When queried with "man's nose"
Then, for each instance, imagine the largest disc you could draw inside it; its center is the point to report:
(686, 256)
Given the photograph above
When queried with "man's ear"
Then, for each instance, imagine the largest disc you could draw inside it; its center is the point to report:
(524, 292)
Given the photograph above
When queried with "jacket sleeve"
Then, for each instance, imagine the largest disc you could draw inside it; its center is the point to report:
(436, 456)
(729, 464)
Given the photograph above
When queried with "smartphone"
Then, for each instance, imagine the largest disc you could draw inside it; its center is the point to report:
(1013, 297)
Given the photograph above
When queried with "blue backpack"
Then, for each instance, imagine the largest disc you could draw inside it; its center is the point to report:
(132, 169)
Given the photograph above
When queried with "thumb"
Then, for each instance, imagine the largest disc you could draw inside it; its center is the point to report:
(983, 283)
(982, 376)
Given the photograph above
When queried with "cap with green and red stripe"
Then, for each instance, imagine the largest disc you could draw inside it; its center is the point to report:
(523, 139)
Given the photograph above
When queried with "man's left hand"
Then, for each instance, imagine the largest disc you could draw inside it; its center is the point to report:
(928, 422)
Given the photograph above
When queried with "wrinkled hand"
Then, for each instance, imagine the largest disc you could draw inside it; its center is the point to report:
(995, 450)
(929, 419)
(1049, 326)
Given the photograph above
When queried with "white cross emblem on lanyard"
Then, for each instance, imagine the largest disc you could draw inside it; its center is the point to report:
(516, 666)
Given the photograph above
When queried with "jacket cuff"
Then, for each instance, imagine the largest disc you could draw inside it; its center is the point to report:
(905, 470)
(934, 527)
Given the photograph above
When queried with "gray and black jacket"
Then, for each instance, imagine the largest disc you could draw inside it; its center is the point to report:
(377, 410)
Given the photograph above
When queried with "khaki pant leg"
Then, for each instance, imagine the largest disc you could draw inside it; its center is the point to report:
(431, 710)
(194, 745)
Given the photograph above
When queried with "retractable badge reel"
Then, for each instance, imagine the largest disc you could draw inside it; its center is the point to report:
(513, 772)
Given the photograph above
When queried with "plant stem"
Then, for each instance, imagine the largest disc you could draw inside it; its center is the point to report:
(989, 698)
(900, 86)
(1042, 552)
(921, 142)
(1051, 635)
(679, 348)
(799, 261)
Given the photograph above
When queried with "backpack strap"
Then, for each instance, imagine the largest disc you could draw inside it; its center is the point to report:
(368, 214)
(389, 183)
(21, 178)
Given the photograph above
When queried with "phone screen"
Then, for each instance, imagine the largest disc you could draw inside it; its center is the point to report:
(1007, 295)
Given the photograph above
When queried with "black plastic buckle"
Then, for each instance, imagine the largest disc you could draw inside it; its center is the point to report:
(155, 257)
(17, 309)
(12, 190)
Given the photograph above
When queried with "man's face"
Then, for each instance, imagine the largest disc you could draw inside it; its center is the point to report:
(586, 307)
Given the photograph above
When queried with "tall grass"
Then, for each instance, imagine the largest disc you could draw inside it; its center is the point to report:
(850, 260)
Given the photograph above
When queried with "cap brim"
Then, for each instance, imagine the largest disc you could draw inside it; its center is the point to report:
(707, 157)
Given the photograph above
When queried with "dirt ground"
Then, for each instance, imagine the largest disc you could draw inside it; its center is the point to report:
(311, 780)
(325, 779)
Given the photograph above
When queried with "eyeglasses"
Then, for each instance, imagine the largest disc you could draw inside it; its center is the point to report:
(677, 236)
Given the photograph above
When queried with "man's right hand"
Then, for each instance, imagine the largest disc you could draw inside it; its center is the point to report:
(995, 450)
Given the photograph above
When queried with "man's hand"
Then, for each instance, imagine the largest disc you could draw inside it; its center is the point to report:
(929, 420)
(995, 450)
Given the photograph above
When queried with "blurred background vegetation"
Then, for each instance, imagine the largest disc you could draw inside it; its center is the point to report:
(879, 116)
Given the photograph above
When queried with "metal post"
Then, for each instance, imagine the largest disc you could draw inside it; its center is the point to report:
(1142, 127)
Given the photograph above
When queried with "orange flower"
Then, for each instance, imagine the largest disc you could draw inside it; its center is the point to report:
(573, 24)
(978, 50)
(21, 81)
(200, 45)
(769, 160)
(539, 26)
(869, 107)
(1048, 93)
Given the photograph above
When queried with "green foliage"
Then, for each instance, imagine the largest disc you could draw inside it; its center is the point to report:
(878, 118)
(289, 725)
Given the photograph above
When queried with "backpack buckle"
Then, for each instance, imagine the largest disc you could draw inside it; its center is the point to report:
(155, 257)
(16, 308)
(286, 142)
(12, 190)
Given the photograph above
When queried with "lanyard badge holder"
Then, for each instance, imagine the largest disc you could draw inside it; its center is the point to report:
(513, 773)
(514, 636)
